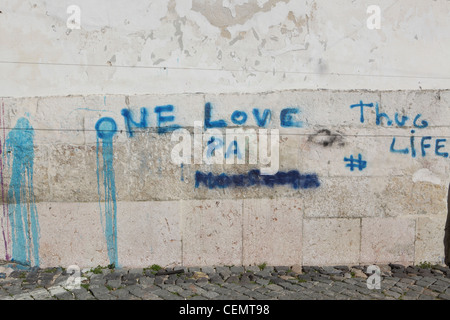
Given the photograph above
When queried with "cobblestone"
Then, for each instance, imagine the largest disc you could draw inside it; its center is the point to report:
(229, 283)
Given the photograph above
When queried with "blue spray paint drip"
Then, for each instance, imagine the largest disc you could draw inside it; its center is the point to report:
(22, 205)
(106, 128)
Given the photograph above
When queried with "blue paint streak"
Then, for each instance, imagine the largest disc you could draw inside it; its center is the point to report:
(106, 129)
(22, 205)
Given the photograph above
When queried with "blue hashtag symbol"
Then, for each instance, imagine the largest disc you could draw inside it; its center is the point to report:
(355, 163)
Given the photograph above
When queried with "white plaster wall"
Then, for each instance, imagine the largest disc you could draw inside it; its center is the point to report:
(169, 46)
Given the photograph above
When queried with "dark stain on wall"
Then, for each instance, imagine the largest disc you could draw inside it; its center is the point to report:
(326, 138)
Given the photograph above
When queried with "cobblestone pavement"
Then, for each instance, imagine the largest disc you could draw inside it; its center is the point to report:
(226, 283)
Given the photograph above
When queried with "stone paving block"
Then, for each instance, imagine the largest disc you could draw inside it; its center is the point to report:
(255, 295)
(424, 297)
(397, 289)
(196, 297)
(350, 293)
(442, 283)
(402, 285)
(430, 293)
(146, 281)
(274, 287)
(23, 296)
(424, 284)
(208, 270)
(337, 289)
(210, 294)
(216, 279)
(253, 269)
(222, 269)
(394, 294)
(166, 295)
(40, 294)
(236, 270)
(141, 293)
(65, 296)
(438, 288)
(83, 295)
(444, 296)
(114, 283)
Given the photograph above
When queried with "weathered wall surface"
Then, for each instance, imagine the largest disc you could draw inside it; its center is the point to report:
(87, 117)
(99, 185)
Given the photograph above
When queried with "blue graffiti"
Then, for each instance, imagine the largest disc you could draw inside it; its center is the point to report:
(164, 119)
(379, 116)
(106, 129)
(264, 120)
(233, 149)
(361, 105)
(238, 117)
(213, 144)
(355, 163)
(22, 205)
(287, 118)
(254, 178)
(413, 149)
(212, 124)
(130, 123)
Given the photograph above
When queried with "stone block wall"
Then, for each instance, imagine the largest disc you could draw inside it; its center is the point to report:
(362, 177)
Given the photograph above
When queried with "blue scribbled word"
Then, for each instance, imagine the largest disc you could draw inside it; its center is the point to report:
(381, 115)
(401, 121)
(255, 178)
